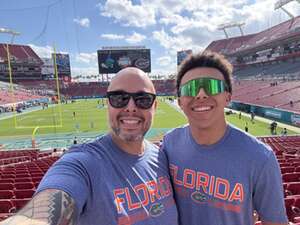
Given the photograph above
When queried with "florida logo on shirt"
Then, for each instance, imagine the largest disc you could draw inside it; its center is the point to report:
(156, 209)
(198, 197)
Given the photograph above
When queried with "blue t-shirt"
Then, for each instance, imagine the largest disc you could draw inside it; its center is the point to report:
(112, 187)
(223, 183)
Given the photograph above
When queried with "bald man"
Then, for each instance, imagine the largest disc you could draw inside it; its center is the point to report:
(119, 179)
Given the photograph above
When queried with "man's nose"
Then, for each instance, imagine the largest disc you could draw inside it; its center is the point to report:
(201, 94)
(131, 107)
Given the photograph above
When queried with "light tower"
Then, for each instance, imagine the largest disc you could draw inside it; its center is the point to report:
(280, 3)
(11, 32)
(231, 25)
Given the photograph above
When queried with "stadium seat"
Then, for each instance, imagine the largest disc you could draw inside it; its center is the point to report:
(22, 180)
(36, 184)
(293, 188)
(297, 164)
(5, 176)
(296, 209)
(22, 175)
(284, 164)
(7, 194)
(289, 202)
(20, 203)
(10, 181)
(291, 177)
(288, 169)
(6, 206)
(6, 186)
(21, 194)
(25, 185)
(36, 179)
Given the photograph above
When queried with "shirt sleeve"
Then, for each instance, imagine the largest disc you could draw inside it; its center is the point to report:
(69, 175)
(268, 193)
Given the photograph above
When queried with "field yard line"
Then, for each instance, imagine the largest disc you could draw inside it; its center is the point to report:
(38, 108)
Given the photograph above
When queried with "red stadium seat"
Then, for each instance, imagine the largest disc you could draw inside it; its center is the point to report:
(22, 175)
(36, 184)
(22, 180)
(8, 194)
(6, 186)
(284, 164)
(20, 203)
(25, 185)
(36, 179)
(291, 177)
(5, 176)
(6, 206)
(289, 202)
(293, 188)
(288, 169)
(21, 194)
(10, 181)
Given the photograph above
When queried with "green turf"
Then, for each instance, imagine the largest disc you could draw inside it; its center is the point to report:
(92, 117)
(256, 128)
(89, 117)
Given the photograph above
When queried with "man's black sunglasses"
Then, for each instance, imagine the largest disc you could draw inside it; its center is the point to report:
(120, 99)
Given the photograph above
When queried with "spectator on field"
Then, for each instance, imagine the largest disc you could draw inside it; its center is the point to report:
(284, 132)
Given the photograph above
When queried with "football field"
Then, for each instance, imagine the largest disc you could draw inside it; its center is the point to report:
(90, 116)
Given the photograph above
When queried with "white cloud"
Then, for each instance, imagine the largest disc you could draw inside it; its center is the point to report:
(84, 22)
(42, 51)
(135, 38)
(84, 71)
(124, 12)
(164, 61)
(87, 58)
(131, 39)
(172, 44)
(112, 36)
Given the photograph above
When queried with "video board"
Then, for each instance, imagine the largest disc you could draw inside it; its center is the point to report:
(113, 60)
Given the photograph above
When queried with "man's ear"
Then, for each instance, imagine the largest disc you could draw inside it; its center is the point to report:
(178, 101)
(155, 104)
(228, 98)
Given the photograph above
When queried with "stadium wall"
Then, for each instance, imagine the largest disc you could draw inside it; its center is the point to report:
(268, 112)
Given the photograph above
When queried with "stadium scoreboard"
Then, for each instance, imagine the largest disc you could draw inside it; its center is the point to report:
(112, 60)
(181, 55)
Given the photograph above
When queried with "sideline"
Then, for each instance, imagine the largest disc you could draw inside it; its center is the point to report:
(268, 121)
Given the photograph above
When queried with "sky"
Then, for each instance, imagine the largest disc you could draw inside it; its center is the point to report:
(81, 27)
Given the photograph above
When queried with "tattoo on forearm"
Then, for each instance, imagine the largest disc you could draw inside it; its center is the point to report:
(51, 207)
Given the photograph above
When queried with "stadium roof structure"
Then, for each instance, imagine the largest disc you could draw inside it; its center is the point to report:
(240, 44)
(231, 25)
(280, 3)
(20, 53)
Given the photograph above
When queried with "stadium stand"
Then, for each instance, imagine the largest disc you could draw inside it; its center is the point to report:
(271, 52)
(276, 94)
(287, 150)
(19, 180)
(25, 63)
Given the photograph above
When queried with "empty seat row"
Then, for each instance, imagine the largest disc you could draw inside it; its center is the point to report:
(16, 194)
(18, 186)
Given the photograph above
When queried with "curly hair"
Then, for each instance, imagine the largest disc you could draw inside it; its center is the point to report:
(206, 59)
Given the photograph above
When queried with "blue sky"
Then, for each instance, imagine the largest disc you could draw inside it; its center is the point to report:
(81, 27)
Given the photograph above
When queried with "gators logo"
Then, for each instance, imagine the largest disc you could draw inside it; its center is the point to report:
(156, 209)
(198, 197)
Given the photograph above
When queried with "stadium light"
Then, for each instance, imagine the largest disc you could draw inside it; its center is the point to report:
(11, 32)
(231, 25)
(280, 3)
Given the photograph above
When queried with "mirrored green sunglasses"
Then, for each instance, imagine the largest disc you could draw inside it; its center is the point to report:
(211, 87)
